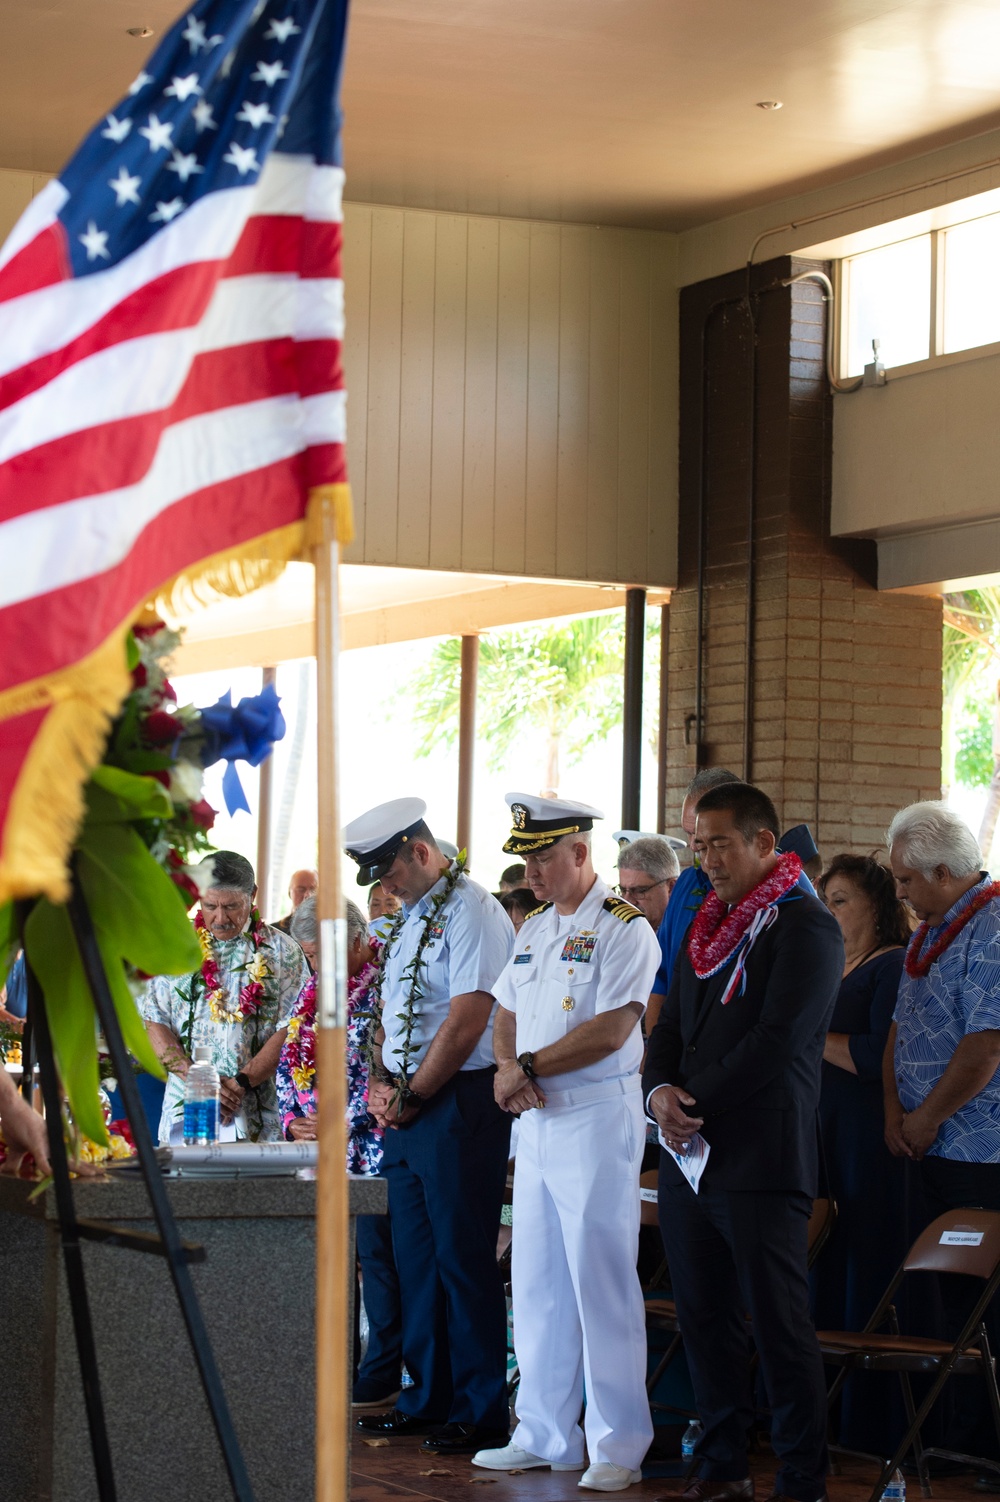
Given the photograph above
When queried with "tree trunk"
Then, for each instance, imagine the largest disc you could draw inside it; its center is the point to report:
(551, 790)
(987, 828)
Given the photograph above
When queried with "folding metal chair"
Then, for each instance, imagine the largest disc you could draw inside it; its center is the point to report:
(963, 1242)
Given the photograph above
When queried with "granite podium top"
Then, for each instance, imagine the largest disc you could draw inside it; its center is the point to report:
(241, 1198)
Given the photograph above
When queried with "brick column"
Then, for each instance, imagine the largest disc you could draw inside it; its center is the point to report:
(844, 682)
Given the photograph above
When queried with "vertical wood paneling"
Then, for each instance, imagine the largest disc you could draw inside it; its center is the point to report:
(448, 418)
(633, 407)
(543, 400)
(413, 526)
(357, 292)
(602, 468)
(382, 497)
(574, 394)
(479, 477)
(512, 397)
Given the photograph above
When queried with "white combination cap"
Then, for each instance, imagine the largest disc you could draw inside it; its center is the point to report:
(375, 838)
(539, 822)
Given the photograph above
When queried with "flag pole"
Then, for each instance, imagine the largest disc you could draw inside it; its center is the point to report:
(333, 1338)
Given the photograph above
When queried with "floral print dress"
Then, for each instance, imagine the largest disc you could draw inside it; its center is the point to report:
(296, 1077)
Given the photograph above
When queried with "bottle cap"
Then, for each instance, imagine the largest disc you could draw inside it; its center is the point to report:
(202, 1053)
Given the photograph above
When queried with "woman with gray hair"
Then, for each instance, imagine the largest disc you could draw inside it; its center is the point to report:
(377, 1381)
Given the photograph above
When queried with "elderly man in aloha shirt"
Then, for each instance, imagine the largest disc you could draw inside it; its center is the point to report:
(239, 1004)
(941, 1068)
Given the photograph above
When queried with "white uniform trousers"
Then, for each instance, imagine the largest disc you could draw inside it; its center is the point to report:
(579, 1321)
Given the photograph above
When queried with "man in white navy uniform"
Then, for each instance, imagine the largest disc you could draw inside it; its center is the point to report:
(447, 1141)
(568, 1047)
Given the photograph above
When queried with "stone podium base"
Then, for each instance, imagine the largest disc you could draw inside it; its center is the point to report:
(257, 1294)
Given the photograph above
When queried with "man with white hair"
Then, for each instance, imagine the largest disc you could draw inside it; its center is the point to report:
(239, 1003)
(567, 1038)
(941, 1070)
(648, 868)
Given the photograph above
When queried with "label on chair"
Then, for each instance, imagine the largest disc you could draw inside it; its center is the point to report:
(961, 1238)
(649, 1195)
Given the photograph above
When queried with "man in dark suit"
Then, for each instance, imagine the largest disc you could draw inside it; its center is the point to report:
(735, 1056)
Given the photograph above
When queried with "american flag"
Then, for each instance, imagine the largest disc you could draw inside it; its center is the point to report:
(171, 317)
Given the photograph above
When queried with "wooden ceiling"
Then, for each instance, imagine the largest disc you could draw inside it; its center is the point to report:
(639, 112)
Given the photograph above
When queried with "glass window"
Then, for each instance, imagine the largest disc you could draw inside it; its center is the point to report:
(971, 285)
(889, 299)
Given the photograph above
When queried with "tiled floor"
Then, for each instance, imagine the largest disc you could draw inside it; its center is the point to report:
(400, 1469)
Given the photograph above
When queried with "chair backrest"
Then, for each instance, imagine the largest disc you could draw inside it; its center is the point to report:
(963, 1241)
(821, 1223)
(648, 1198)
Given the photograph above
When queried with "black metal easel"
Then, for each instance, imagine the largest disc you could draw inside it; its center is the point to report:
(74, 1229)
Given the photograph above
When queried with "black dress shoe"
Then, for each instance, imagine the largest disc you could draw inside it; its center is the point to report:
(395, 1422)
(463, 1439)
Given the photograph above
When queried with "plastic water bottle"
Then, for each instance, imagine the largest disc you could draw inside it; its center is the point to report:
(201, 1100)
(692, 1434)
(896, 1490)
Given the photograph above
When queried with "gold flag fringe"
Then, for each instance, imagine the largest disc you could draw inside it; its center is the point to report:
(46, 806)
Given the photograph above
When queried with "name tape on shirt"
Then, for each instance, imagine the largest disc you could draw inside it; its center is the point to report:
(523, 959)
(579, 948)
(961, 1238)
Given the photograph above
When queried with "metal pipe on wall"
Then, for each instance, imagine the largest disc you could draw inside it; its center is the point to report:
(661, 744)
(467, 740)
(264, 799)
(635, 633)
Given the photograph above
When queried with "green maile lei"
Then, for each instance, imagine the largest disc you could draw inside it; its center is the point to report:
(409, 1013)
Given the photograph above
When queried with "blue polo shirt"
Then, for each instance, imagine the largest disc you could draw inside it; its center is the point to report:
(960, 994)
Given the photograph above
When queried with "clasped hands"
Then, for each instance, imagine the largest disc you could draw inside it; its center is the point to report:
(230, 1098)
(513, 1091)
(382, 1105)
(667, 1105)
(909, 1134)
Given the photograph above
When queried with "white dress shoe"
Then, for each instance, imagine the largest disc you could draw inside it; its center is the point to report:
(513, 1458)
(605, 1477)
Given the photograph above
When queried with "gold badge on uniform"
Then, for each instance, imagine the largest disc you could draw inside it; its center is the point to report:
(568, 1003)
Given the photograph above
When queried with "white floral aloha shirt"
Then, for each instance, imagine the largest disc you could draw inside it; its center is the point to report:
(233, 1044)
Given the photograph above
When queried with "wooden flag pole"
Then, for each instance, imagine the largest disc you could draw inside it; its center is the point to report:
(333, 1336)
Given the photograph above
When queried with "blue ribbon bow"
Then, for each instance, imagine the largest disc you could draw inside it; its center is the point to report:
(246, 733)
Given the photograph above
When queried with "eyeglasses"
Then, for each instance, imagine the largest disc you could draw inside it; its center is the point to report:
(632, 892)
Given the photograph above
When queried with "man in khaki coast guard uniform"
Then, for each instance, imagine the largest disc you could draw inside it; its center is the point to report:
(569, 1047)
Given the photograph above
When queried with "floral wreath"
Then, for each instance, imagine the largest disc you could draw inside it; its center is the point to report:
(409, 1012)
(252, 993)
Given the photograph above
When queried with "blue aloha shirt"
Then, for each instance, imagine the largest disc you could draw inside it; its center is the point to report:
(959, 995)
(233, 1044)
(364, 1138)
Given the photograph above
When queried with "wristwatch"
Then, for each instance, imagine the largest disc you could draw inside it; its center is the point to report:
(408, 1097)
(526, 1064)
(242, 1080)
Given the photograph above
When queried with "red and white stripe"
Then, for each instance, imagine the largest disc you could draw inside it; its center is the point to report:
(175, 405)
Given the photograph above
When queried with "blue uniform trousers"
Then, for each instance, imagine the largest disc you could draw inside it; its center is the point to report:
(446, 1174)
(384, 1356)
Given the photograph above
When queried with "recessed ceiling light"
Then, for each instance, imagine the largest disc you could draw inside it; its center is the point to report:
(139, 31)
(769, 104)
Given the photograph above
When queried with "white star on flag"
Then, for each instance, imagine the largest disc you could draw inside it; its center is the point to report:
(117, 129)
(125, 187)
(194, 34)
(183, 88)
(280, 31)
(95, 242)
(269, 73)
(243, 158)
(255, 114)
(184, 165)
(203, 117)
(164, 212)
(140, 83)
(157, 133)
